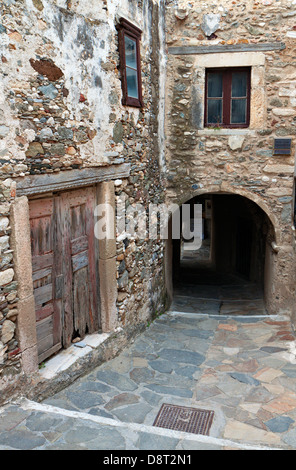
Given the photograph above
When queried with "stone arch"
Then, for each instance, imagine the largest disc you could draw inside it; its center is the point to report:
(273, 242)
(225, 189)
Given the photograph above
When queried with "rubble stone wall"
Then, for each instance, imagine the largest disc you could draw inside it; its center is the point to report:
(261, 35)
(61, 110)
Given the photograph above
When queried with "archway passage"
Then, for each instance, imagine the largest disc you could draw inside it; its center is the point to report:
(226, 273)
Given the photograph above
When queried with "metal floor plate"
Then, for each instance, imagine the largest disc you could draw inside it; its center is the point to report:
(183, 418)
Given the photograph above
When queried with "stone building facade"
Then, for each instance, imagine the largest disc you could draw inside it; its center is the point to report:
(236, 166)
(70, 140)
(67, 141)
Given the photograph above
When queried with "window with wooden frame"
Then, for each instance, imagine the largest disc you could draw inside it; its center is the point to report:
(227, 97)
(129, 37)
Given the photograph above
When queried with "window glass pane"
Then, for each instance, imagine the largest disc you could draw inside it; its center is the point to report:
(215, 85)
(214, 111)
(130, 52)
(239, 111)
(239, 84)
(132, 83)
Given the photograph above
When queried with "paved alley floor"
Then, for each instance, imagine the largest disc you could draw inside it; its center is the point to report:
(243, 368)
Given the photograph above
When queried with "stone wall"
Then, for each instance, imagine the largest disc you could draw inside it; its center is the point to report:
(9, 349)
(261, 35)
(61, 110)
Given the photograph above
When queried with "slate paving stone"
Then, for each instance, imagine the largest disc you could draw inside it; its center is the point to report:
(153, 337)
(208, 325)
(244, 378)
(191, 445)
(289, 370)
(204, 392)
(117, 380)
(250, 320)
(199, 346)
(150, 397)
(173, 380)
(290, 438)
(60, 403)
(267, 374)
(162, 366)
(169, 344)
(232, 387)
(11, 420)
(121, 400)
(187, 357)
(100, 412)
(272, 361)
(133, 413)
(246, 366)
(211, 363)
(230, 410)
(272, 350)
(91, 386)
(287, 382)
(279, 424)
(258, 395)
(141, 375)
(103, 442)
(155, 442)
(187, 371)
(205, 334)
(22, 439)
(282, 404)
(201, 361)
(103, 436)
(164, 390)
(40, 422)
(85, 400)
(81, 434)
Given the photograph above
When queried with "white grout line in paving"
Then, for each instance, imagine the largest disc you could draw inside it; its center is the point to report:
(229, 315)
(29, 405)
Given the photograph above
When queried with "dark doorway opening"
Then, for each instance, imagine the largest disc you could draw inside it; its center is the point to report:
(223, 272)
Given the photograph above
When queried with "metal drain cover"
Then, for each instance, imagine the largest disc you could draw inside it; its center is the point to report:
(183, 418)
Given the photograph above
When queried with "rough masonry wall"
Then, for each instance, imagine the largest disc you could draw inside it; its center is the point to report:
(235, 161)
(60, 109)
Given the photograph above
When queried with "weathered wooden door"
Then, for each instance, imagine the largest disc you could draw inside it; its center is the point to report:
(64, 269)
(81, 286)
(47, 303)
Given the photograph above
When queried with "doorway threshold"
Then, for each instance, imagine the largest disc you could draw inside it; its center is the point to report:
(233, 307)
(67, 357)
(243, 318)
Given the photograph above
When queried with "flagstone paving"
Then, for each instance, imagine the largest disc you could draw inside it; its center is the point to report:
(241, 367)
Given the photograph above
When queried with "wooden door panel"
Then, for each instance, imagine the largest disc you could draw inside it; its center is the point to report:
(44, 312)
(81, 283)
(79, 245)
(78, 215)
(40, 262)
(64, 268)
(79, 261)
(42, 229)
(41, 274)
(81, 307)
(45, 335)
(43, 295)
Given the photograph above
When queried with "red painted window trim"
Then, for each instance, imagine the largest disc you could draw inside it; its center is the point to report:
(125, 28)
(226, 100)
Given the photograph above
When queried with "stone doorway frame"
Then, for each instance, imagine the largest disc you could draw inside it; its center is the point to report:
(21, 245)
(275, 250)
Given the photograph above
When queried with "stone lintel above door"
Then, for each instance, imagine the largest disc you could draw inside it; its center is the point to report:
(38, 184)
